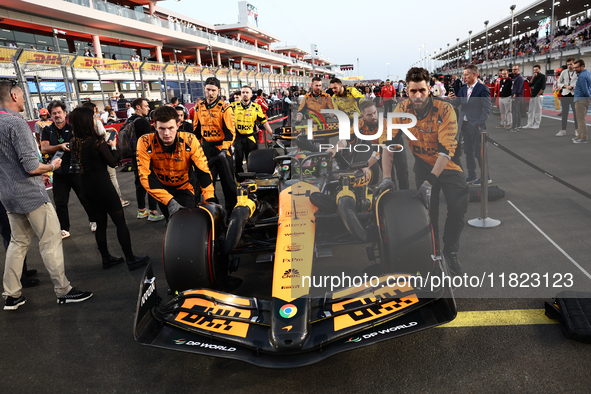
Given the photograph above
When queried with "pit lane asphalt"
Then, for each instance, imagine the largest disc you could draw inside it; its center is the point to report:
(89, 347)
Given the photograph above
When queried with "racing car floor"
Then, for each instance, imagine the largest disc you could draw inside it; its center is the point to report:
(544, 229)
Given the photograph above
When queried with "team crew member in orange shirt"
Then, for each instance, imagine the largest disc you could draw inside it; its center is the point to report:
(436, 165)
(164, 161)
(314, 101)
(214, 127)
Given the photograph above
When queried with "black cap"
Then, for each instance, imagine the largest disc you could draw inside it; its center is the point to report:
(213, 81)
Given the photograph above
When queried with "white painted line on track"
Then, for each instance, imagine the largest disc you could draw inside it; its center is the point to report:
(560, 118)
(551, 241)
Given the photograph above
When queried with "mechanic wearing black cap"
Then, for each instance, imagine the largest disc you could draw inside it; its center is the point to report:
(214, 127)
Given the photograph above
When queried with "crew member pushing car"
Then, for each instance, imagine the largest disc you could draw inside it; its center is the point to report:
(246, 114)
(164, 161)
(436, 165)
(214, 127)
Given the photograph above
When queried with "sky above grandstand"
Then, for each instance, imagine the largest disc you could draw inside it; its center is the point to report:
(376, 32)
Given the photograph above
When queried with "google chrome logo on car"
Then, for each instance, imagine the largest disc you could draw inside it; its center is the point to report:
(288, 310)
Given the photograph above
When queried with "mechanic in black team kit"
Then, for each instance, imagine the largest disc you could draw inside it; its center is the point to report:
(214, 127)
(436, 165)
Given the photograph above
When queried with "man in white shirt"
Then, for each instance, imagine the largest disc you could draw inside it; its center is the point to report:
(105, 114)
(130, 110)
(567, 82)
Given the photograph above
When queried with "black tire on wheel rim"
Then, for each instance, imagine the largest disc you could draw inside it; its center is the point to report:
(406, 236)
(187, 253)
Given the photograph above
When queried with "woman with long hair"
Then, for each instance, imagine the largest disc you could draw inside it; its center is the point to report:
(94, 155)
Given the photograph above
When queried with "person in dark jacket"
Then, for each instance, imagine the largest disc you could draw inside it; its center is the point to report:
(505, 100)
(94, 155)
(457, 83)
(534, 114)
(286, 108)
(517, 95)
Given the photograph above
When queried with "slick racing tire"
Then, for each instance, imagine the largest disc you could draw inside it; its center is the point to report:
(187, 251)
(262, 161)
(406, 237)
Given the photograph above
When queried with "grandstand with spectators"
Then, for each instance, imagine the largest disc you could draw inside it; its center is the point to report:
(108, 50)
(535, 39)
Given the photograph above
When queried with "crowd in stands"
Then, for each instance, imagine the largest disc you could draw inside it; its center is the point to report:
(575, 34)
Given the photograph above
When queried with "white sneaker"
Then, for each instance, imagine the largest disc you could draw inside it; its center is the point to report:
(561, 133)
(527, 126)
(65, 234)
(535, 127)
(93, 227)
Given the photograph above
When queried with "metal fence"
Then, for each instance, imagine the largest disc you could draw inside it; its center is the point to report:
(47, 76)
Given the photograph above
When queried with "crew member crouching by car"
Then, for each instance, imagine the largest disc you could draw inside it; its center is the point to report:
(164, 160)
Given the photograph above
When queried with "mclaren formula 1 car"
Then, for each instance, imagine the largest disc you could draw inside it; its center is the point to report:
(292, 210)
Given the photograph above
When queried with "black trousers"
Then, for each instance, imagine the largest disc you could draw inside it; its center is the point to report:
(222, 167)
(287, 120)
(454, 187)
(62, 185)
(243, 146)
(567, 101)
(472, 149)
(388, 104)
(140, 195)
(400, 164)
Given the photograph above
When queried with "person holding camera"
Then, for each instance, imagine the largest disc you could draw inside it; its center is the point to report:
(56, 138)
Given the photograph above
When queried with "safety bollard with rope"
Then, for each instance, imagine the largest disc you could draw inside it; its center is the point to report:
(484, 221)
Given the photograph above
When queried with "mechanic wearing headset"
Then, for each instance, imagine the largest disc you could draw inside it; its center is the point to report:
(436, 165)
(164, 160)
(214, 127)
